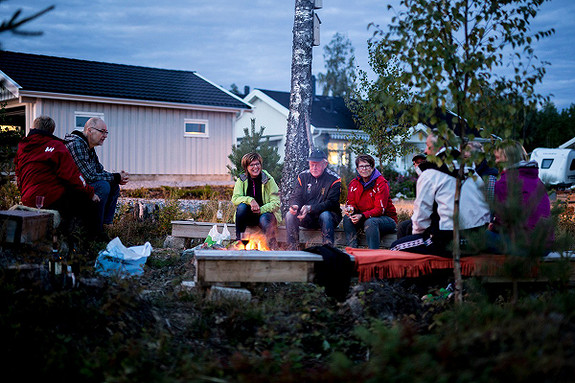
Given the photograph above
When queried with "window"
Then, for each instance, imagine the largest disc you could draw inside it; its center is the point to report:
(196, 128)
(337, 153)
(82, 117)
(572, 166)
(546, 163)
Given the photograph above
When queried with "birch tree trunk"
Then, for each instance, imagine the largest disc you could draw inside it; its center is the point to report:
(299, 117)
(457, 237)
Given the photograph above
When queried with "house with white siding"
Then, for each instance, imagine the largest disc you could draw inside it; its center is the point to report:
(165, 125)
(332, 125)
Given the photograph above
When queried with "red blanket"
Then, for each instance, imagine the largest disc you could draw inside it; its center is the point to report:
(400, 264)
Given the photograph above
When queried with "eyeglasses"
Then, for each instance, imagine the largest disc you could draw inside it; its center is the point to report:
(364, 167)
(255, 165)
(104, 132)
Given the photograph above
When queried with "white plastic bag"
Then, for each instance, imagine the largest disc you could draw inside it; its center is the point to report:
(118, 259)
(225, 236)
(213, 236)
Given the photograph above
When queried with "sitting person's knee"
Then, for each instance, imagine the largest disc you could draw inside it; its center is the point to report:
(242, 209)
(325, 216)
(102, 189)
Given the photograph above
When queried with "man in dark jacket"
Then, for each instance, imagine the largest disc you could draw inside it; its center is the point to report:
(314, 203)
(45, 168)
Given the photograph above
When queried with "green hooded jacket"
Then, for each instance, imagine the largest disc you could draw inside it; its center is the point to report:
(270, 194)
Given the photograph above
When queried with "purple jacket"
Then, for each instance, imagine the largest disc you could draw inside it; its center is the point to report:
(535, 198)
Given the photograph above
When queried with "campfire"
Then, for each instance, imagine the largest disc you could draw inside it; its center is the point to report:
(252, 241)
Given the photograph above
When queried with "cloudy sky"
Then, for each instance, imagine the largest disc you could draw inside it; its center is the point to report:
(246, 42)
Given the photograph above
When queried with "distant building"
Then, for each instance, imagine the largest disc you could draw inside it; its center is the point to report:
(164, 124)
(332, 125)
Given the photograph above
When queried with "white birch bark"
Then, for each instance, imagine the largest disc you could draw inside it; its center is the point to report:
(299, 117)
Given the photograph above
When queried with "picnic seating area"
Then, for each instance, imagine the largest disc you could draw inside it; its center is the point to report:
(217, 266)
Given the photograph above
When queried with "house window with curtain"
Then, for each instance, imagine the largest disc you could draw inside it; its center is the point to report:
(196, 128)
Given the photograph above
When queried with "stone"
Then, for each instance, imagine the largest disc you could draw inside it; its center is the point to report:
(174, 242)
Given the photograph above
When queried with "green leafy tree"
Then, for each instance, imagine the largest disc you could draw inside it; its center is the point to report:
(255, 141)
(339, 59)
(379, 110)
(457, 51)
(547, 127)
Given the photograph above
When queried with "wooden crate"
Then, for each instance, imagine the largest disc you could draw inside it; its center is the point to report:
(21, 226)
(200, 230)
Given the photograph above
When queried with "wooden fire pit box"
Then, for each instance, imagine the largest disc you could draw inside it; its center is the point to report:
(217, 266)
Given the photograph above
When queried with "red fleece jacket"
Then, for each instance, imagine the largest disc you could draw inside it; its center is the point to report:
(372, 200)
(44, 167)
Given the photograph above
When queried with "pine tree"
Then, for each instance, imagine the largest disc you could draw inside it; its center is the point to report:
(339, 59)
(255, 141)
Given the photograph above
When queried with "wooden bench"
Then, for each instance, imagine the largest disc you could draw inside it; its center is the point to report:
(200, 230)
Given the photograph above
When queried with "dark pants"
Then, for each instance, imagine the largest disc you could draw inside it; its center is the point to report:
(404, 228)
(108, 193)
(74, 204)
(267, 222)
(441, 241)
(326, 221)
(373, 227)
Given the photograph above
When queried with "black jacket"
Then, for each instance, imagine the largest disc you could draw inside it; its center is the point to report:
(321, 193)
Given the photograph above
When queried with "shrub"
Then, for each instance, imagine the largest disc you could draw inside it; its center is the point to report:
(399, 184)
(9, 195)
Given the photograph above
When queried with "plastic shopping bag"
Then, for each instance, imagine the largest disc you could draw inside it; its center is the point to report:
(122, 261)
(225, 236)
(213, 236)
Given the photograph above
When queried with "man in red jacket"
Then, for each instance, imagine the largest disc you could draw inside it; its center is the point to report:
(45, 168)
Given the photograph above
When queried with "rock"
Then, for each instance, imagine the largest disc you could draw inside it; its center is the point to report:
(174, 242)
(219, 292)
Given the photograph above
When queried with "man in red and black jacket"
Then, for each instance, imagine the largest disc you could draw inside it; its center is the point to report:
(44, 167)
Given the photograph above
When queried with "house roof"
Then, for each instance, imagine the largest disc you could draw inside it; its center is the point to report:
(326, 111)
(91, 78)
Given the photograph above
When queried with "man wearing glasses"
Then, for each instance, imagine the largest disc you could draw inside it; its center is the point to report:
(314, 202)
(106, 184)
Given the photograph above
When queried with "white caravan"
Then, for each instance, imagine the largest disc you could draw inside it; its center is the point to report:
(556, 166)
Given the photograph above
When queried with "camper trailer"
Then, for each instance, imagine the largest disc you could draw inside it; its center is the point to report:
(556, 166)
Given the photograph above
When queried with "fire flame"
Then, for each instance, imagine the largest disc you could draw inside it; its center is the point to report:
(256, 242)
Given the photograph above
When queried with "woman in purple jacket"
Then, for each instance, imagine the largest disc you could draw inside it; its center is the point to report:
(522, 207)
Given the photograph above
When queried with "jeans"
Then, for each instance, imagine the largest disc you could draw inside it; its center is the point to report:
(266, 221)
(326, 221)
(373, 227)
(108, 193)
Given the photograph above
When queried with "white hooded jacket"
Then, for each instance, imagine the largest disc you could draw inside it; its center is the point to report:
(434, 185)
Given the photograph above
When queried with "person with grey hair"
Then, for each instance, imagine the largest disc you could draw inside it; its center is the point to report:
(314, 202)
(106, 184)
(48, 177)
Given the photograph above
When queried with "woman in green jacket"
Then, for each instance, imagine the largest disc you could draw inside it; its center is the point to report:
(256, 199)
